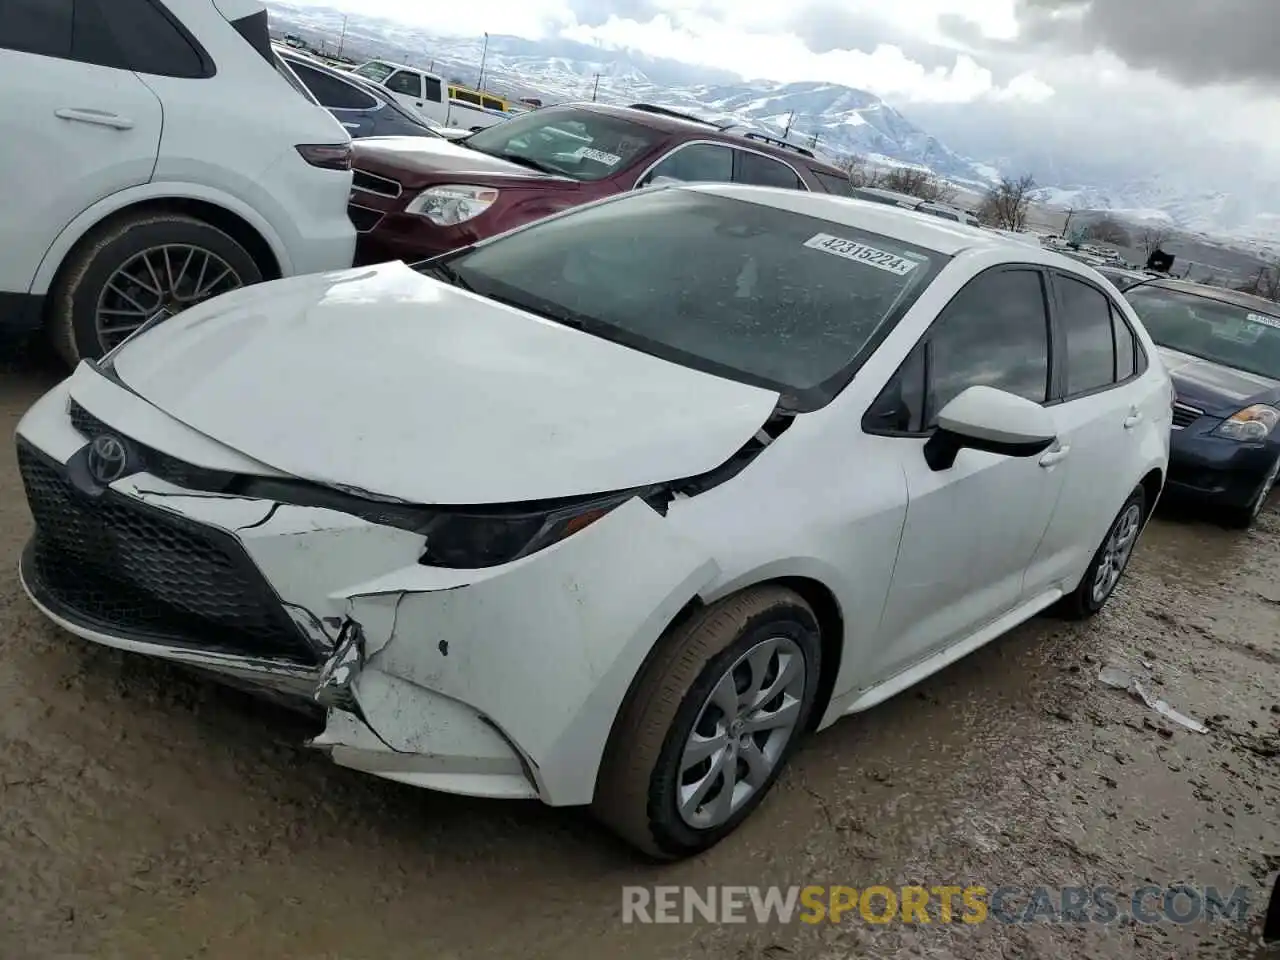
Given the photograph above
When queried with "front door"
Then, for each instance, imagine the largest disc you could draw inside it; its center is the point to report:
(970, 530)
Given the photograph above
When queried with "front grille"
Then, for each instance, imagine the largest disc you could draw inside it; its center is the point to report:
(1185, 415)
(362, 218)
(372, 183)
(135, 570)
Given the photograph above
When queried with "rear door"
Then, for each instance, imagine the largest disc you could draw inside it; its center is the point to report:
(1100, 414)
(77, 126)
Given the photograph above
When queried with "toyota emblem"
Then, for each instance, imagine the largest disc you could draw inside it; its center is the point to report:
(108, 459)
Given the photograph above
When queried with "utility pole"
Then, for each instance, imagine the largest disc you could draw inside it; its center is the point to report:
(343, 39)
(596, 89)
(790, 117)
(483, 56)
(813, 141)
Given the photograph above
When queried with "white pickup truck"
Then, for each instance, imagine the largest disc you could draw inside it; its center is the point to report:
(433, 97)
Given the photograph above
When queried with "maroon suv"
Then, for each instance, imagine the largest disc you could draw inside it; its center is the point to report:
(416, 197)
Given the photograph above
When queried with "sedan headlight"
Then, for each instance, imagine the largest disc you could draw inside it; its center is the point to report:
(450, 205)
(1251, 423)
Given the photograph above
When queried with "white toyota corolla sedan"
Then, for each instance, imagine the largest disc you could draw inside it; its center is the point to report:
(611, 509)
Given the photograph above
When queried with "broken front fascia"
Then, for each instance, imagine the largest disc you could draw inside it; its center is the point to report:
(505, 681)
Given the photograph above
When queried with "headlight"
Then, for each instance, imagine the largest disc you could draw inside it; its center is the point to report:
(447, 206)
(1251, 423)
(467, 540)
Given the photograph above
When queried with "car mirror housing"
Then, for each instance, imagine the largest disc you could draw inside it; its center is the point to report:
(984, 418)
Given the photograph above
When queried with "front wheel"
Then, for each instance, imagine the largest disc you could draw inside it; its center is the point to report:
(134, 268)
(1109, 562)
(711, 723)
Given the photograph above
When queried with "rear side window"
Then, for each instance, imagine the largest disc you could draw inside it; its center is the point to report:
(1126, 352)
(255, 31)
(697, 163)
(149, 40)
(37, 26)
(840, 186)
(331, 92)
(405, 83)
(433, 89)
(765, 172)
(492, 104)
(466, 96)
(1085, 319)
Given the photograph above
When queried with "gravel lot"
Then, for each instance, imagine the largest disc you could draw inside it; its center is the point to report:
(148, 813)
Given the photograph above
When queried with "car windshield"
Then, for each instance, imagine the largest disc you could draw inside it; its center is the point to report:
(374, 70)
(1239, 337)
(577, 143)
(739, 289)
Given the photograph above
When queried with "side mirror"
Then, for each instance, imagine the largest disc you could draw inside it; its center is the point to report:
(984, 418)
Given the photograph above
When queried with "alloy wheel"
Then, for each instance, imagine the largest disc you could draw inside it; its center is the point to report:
(1116, 552)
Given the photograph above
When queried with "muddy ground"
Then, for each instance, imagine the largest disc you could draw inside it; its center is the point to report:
(146, 813)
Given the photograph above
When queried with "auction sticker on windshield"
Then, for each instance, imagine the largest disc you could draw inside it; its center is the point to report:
(1264, 320)
(861, 253)
(599, 156)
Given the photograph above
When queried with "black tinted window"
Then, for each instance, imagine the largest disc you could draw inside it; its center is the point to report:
(1085, 320)
(833, 184)
(993, 333)
(492, 104)
(406, 83)
(900, 406)
(700, 162)
(1126, 365)
(466, 96)
(37, 26)
(146, 38)
(765, 172)
(330, 91)
(433, 89)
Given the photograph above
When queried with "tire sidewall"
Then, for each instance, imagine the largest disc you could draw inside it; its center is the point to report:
(1086, 586)
(123, 244)
(786, 619)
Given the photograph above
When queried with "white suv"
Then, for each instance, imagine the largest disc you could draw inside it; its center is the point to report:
(153, 158)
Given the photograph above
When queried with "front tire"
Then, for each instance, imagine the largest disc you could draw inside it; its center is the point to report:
(713, 719)
(1109, 561)
(1242, 518)
(132, 268)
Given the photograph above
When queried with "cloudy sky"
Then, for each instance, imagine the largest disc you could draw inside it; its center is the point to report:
(1192, 81)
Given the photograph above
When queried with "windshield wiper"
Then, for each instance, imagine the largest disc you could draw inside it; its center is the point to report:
(530, 163)
(451, 276)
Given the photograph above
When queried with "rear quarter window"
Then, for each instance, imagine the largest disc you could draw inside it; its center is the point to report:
(839, 185)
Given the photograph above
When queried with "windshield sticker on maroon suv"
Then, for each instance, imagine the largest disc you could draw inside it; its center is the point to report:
(599, 156)
(861, 253)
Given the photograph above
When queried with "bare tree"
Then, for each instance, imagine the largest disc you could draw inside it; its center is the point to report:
(1108, 230)
(916, 182)
(859, 171)
(1152, 238)
(1008, 202)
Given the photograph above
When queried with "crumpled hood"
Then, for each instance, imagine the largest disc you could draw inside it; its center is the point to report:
(1213, 388)
(415, 161)
(383, 380)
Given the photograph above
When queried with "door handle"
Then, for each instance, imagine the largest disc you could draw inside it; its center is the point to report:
(1132, 420)
(98, 117)
(1054, 456)
(419, 102)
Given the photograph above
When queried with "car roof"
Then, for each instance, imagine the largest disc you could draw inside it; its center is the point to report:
(674, 124)
(948, 237)
(1235, 298)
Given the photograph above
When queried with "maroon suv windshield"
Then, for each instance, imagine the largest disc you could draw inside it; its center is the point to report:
(569, 141)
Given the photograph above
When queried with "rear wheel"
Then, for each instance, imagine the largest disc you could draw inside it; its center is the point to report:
(134, 268)
(1244, 517)
(711, 723)
(1109, 562)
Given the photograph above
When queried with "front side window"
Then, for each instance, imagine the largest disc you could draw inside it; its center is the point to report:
(37, 26)
(433, 89)
(1242, 337)
(696, 163)
(375, 70)
(568, 141)
(1084, 317)
(742, 290)
(765, 172)
(993, 333)
(332, 93)
(405, 83)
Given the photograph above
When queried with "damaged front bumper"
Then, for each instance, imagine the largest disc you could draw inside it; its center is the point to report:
(500, 682)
